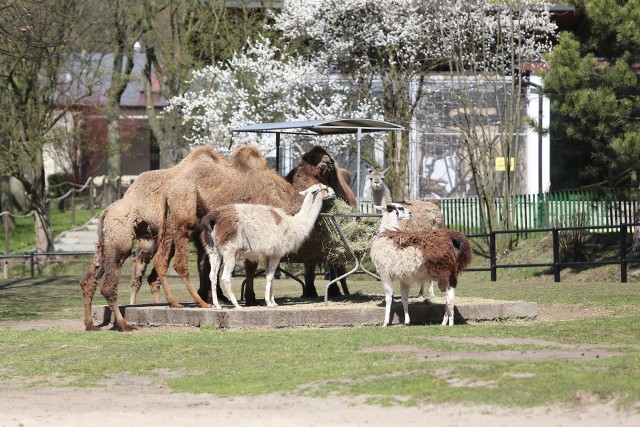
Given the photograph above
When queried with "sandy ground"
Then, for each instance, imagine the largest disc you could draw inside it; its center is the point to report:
(145, 402)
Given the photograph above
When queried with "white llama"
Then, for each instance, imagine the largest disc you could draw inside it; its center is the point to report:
(258, 231)
(409, 257)
(426, 215)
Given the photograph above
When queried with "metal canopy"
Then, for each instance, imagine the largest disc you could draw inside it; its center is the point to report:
(324, 127)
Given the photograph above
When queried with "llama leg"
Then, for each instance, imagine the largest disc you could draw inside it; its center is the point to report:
(432, 296)
(404, 296)
(229, 262)
(272, 266)
(421, 292)
(214, 262)
(449, 307)
(388, 298)
(89, 284)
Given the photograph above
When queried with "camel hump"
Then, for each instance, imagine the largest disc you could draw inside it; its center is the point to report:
(203, 151)
(248, 157)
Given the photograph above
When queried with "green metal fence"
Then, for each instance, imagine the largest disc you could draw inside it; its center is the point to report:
(560, 208)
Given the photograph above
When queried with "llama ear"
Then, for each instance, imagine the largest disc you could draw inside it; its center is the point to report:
(385, 171)
(390, 208)
(378, 208)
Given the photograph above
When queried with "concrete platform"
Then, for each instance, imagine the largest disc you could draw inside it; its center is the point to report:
(289, 315)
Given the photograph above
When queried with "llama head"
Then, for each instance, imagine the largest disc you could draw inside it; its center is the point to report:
(392, 213)
(325, 191)
(376, 179)
(400, 212)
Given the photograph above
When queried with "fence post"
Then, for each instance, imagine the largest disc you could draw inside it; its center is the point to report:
(32, 261)
(73, 208)
(492, 256)
(92, 202)
(5, 267)
(623, 253)
(118, 187)
(105, 184)
(556, 255)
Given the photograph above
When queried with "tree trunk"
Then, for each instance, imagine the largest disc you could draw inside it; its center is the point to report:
(396, 154)
(113, 144)
(44, 237)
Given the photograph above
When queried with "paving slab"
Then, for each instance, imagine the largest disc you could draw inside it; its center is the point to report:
(292, 315)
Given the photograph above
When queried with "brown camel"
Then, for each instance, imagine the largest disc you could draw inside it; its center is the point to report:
(138, 215)
(249, 181)
(246, 180)
(317, 165)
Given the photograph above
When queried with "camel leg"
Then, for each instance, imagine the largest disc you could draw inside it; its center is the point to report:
(309, 279)
(109, 291)
(404, 295)
(229, 263)
(250, 268)
(335, 271)
(154, 284)
(388, 299)
(272, 266)
(139, 267)
(160, 265)
(340, 270)
(89, 284)
(181, 266)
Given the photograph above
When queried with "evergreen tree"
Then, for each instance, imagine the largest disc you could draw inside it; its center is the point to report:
(591, 79)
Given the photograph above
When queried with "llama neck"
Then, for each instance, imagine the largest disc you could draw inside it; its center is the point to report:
(389, 222)
(379, 195)
(305, 219)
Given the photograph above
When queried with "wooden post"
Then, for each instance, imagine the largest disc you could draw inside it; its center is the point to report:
(92, 204)
(5, 267)
(73, 208)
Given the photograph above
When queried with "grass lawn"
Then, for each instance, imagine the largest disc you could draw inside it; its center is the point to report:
(507, 362)
(586, 341)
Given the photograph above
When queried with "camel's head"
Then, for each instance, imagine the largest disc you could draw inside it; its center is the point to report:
(320, 158)
(376, 179)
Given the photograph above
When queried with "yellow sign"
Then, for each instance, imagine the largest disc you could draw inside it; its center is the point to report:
(501, 164)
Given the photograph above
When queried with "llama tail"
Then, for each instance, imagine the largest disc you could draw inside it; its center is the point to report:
(206, 227)
(463, 249)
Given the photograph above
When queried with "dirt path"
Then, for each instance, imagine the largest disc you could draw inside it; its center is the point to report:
(146, 402)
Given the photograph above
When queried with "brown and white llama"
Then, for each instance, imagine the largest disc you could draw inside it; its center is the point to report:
(257, 232)
(425, 215)
(409, 257)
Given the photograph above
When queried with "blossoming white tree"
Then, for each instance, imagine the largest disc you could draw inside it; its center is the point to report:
(262, 85)
(365, 58)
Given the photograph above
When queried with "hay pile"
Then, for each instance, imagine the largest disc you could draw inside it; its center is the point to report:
(325, 245)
